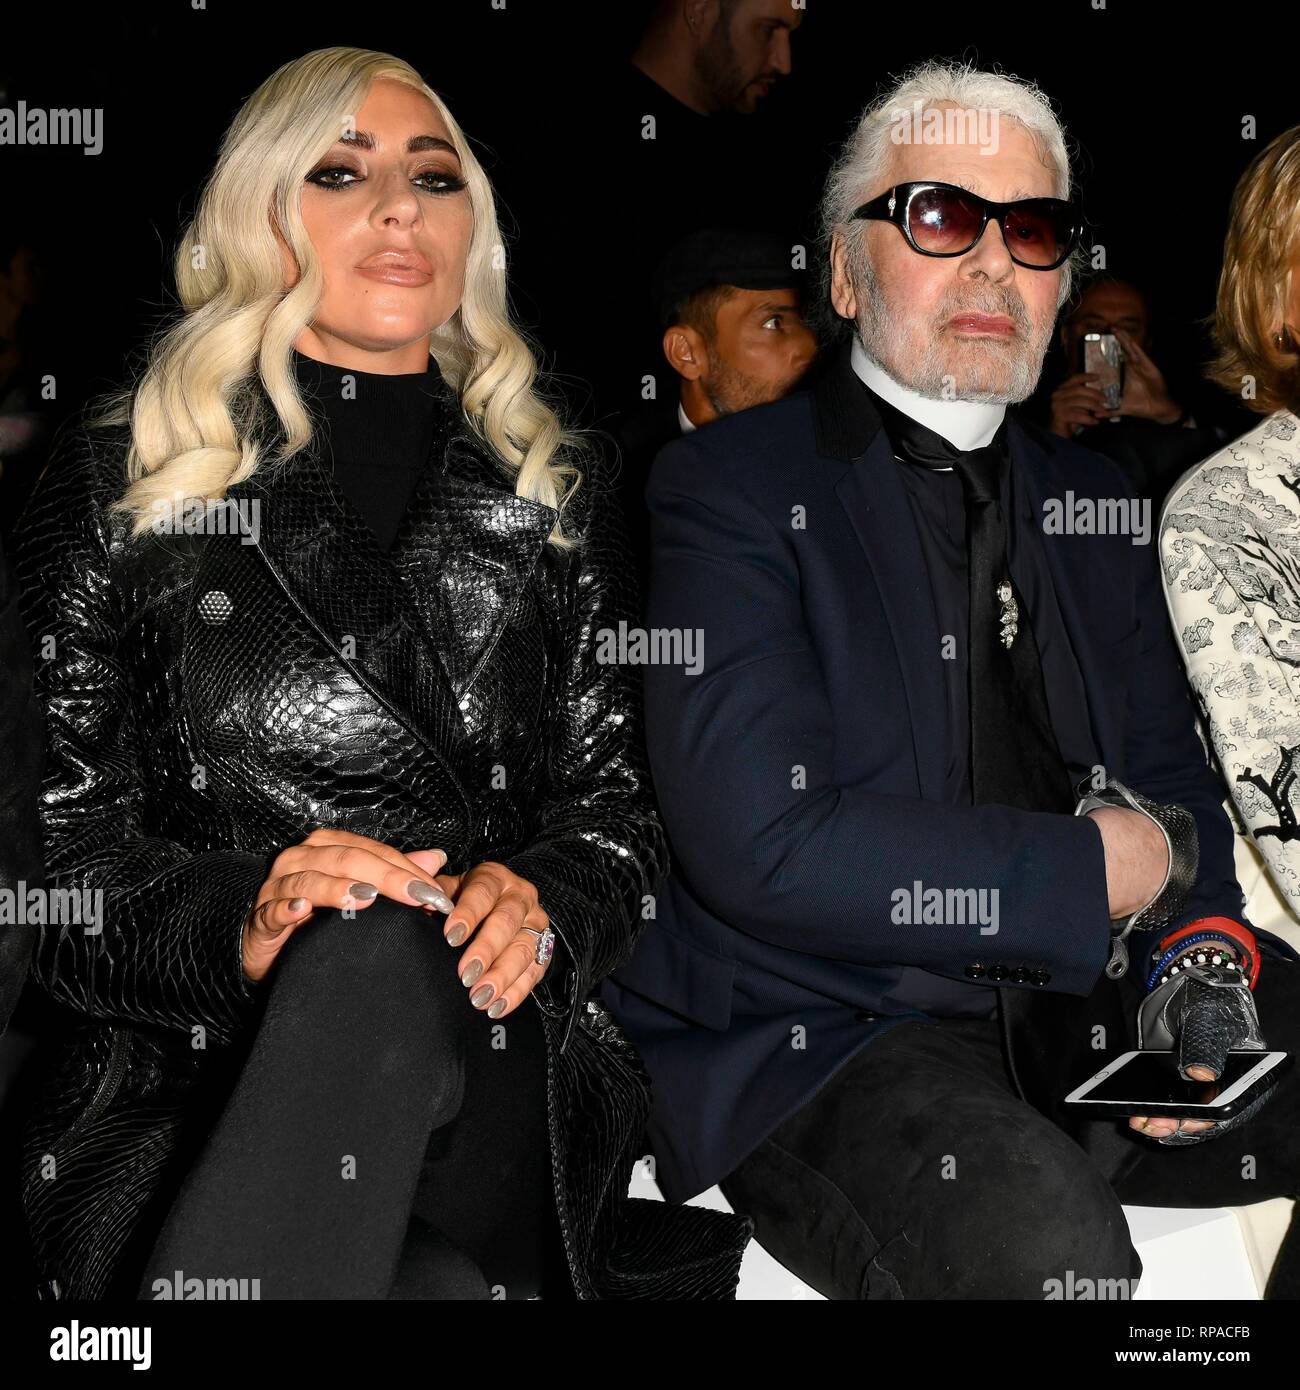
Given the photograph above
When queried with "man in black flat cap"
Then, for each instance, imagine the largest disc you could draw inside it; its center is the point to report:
(730, 304)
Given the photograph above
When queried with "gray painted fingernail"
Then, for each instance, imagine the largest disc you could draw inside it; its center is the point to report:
(364, 891)
(457, 934)
(472, 971)
(429, 893)
(497, 1009)
(481, 996)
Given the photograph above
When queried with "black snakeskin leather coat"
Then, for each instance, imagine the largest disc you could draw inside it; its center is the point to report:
(209, 702)
(20, 775)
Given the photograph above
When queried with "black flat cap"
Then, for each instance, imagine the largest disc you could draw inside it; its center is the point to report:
(721, 256)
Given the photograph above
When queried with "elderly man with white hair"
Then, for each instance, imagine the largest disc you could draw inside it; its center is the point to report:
(935, 795)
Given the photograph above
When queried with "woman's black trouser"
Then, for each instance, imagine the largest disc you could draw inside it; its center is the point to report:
(384, 1138)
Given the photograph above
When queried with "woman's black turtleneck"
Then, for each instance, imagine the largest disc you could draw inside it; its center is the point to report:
(379, 436)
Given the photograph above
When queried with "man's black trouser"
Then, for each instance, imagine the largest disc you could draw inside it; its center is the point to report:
(384, 1139)
(917, 1172)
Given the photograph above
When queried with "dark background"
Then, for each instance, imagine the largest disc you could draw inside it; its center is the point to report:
(1151, 95)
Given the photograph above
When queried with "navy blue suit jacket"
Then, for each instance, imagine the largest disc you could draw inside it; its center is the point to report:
(800, 771)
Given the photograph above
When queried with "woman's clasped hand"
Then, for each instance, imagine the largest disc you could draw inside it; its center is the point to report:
(489, 907)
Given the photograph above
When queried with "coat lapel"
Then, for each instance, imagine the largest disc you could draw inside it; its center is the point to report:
(466, 547)
(872, 494)
(415, 625)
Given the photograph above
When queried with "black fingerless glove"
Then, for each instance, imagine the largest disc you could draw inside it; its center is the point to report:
(1207, 1012)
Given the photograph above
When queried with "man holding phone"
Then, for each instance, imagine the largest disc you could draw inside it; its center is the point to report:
(1120, 310)
(940, 820)
(1153, 438)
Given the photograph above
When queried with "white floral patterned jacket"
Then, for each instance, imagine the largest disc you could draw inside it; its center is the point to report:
(1230, 553)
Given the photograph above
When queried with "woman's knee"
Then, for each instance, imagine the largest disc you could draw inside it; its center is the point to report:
(389, 950)
(368, 934)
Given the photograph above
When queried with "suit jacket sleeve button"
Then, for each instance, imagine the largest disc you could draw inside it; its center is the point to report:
(1019, 975)
(975, 972)
(997, 972)
(1041, 977)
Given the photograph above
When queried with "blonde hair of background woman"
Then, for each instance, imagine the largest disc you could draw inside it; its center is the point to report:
(1259, 251)
(194, 411)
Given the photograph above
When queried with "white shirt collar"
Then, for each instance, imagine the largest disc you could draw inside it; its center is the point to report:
(684, 420)
(964, 424)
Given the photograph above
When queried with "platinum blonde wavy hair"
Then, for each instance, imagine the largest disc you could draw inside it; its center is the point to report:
(866, 154)
(196, 413)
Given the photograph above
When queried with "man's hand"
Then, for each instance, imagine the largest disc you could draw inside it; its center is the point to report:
(1137, 858)
(1213, 1020)
(1145, 393)
(1157, 1126)
(1076, 404)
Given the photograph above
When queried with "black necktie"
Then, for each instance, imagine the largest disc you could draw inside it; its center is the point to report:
(1014, 757)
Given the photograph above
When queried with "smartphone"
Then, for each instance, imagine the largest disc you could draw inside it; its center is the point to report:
(1103, 357)
(1149, 1083)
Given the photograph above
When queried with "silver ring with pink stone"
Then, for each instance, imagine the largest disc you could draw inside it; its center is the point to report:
(545, 943)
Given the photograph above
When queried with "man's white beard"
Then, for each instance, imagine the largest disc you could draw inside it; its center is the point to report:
(990, 371)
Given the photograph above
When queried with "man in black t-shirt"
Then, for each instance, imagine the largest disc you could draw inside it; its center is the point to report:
(672, 141)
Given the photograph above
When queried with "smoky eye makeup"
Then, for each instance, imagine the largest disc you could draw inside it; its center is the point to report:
(336, 175)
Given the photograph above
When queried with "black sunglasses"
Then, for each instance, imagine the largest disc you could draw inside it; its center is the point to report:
(940, 219)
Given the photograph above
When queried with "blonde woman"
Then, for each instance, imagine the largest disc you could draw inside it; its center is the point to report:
(1230, 535)
(316, 605)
